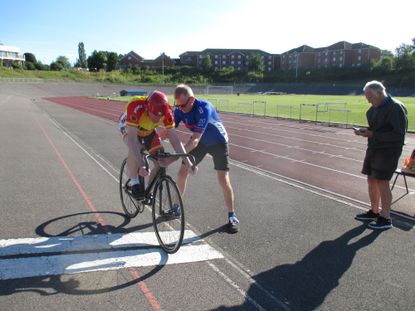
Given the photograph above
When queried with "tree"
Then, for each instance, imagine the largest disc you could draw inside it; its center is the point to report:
(256, 63)
(97, 61)
(55, 66)
(29, 57)
(64, 61)
(206, 64)
(404, 57)
(112, 61)
(81, 61)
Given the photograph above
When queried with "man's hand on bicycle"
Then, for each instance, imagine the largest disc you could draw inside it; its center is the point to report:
(143, 171)
(192, 169)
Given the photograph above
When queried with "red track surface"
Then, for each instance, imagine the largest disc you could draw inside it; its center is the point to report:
(323, 157)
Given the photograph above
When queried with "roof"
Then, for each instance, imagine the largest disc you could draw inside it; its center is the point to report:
(6, 48)
(133, 55)
(301, 49)
(243, 51)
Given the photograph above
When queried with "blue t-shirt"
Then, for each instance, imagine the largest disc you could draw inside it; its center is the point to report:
(203, 118)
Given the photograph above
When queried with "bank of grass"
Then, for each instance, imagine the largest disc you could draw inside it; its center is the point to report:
(76, 75)
(349, 110)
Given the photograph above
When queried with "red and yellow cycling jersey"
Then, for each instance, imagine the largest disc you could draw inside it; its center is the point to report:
(136, 114)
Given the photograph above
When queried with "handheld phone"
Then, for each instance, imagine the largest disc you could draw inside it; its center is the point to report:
(358, 129)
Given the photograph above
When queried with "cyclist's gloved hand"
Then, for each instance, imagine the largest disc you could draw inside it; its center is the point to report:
(143, 171)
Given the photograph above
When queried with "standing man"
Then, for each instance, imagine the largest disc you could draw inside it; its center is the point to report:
(208, 136)
(388, 123)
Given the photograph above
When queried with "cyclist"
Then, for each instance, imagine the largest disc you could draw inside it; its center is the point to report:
(137, 124)
(208, 136)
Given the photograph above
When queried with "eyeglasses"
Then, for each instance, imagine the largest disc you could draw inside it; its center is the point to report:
(184, 105)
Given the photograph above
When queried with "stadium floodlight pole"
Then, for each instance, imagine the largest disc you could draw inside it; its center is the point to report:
(162, 65)
(296, 66)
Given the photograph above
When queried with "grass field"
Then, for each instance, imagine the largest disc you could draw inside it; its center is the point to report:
(348, 110)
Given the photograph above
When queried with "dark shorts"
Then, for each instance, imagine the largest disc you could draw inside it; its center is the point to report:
(151, 142)
(381, 163)
(219, 152)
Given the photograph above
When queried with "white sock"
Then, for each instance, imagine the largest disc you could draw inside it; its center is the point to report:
(134, 181)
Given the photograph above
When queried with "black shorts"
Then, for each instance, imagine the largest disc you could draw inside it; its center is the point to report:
(151, 142)
(381, 163)
(219, 152)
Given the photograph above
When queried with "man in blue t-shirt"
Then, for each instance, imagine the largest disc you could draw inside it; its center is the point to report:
(208, 136)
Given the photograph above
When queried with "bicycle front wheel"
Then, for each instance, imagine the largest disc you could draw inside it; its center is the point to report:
(129, 205)
(168, 215)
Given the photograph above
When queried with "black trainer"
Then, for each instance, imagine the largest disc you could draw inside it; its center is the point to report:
(136, 192)
(369, 215)
(381, 223)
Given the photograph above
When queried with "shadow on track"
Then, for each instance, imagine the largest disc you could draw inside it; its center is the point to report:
(305, 284)
(70, 284)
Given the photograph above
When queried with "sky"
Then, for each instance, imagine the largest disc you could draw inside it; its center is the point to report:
(50, 28)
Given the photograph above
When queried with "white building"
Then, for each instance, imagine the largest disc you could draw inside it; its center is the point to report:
(10, 54)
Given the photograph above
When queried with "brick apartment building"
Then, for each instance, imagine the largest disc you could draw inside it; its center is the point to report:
(132, 59)
(339, 55)
(237, 58)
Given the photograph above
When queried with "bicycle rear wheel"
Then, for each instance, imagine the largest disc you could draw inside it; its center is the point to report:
(130, 206)
(168, 220)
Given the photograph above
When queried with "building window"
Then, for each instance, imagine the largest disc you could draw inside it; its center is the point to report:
(232, 62)
(239, 56)
(341, 58)
(224, 62)
(360, 51)
(334, 59)
(216, 56)
(269, 62)
(239, 68)
(239, 62)
(269, 68)
(325, 60)
(216, 62)
(262, 56)
(232, 56)
(359, 57)
(223, 56)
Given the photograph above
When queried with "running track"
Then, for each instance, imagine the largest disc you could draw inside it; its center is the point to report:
(326, 158)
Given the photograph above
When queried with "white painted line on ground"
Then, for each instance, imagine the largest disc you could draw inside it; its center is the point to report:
(62, 244)
(99, 259)
(309, 187)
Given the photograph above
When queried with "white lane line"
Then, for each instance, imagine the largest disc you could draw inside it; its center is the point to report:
(21, 266)
(296, 147)
(235, 286)
(24, 267)
(62, 244)
(310, 188)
